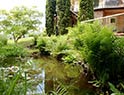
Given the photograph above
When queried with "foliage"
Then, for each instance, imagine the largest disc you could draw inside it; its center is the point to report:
(19, 21)
(12, 51)
(70, 58)
(42, 42)
(50, 13)
(85, 10)
(55, 45)
(102, 50)
(10, 54)
(25, 42)
(21, 79)
(10, 87)
(115, 90)
(63, 13)
(3, 40)
(59, 90)
(78, 30)
(60, 45)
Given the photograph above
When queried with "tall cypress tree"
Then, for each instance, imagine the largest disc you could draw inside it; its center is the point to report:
(50, 11)
(86, 10)
(63, 13)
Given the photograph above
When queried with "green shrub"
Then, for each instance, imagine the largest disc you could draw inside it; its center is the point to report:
(42, 42)
(26, 42)
(101, 49)
(72, 57)
(10, 54)
(54, 45)
(69, 58)
(13, 51)
(3, 40)
(60, 46)
(11, 86)
(115, 90)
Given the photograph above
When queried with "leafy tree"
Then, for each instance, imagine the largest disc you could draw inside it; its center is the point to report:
(85, 10)
(63, 12)
(19, 21)
(50, 12)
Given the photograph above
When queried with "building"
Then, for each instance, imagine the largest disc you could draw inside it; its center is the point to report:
(112, 9)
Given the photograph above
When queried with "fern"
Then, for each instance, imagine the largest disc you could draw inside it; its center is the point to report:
(114, 90)
(60, 90)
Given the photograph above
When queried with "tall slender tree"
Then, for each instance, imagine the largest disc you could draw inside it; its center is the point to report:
(63, 13)
(50, 12)
(85, 10)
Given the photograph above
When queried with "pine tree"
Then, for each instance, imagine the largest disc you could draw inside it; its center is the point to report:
(85, 10)
(50, 12)
(63, 13)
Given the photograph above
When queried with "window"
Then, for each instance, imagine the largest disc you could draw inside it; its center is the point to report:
(112, 20)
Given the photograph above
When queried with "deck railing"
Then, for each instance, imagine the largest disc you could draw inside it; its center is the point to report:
(116, 21)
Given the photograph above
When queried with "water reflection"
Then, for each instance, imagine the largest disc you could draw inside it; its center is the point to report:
(30, 75)
(41, 86)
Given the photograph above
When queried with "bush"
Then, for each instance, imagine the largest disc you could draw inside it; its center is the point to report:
(102, 50)
(13, 51)
(60, 47)
(3, 40)
(54, 45)
(10, 53)
(42, 42)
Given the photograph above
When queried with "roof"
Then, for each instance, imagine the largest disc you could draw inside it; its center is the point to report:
(112, 2)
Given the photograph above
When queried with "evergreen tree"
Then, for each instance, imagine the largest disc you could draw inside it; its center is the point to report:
(63, 13)
(50, 11)
(85, 10)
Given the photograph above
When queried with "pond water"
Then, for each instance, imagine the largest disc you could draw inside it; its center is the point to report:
(34, 75)
(46, 74)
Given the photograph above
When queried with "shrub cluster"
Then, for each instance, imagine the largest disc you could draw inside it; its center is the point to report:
(9, 54)
(102, 50)
(54, 45)
(3, 40)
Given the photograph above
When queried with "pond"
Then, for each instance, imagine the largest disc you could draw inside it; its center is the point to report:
(26, 75)
(46, 75)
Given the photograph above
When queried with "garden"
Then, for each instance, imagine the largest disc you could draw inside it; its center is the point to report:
(87, 60)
